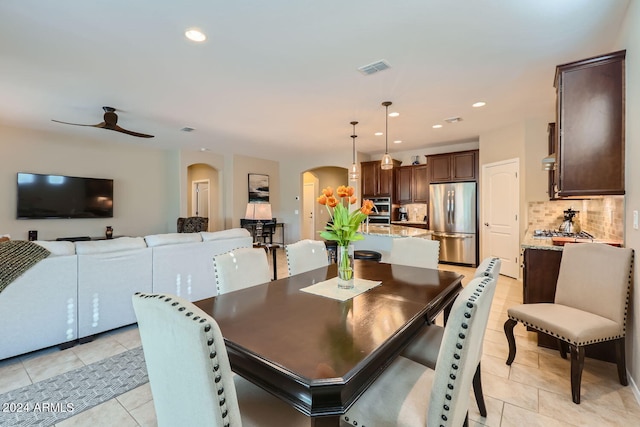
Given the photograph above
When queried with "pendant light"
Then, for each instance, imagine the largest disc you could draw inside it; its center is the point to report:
(387, 162)
(354, 173)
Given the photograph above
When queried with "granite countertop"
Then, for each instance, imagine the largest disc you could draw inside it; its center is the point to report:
(394, 231)
(409, 222)
(530, 242)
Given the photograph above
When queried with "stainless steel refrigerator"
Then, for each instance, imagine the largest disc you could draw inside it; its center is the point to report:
(452, 217)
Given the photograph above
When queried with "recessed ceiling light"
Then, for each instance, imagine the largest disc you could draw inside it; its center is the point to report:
(397, 141)
(436, 126)
(378, 134)
(479, 104)
(394, 114)
(204, 149)
(195, 35)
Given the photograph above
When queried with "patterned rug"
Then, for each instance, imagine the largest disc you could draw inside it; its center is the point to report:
(55, 399)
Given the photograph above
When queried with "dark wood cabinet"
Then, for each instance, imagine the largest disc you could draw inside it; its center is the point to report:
(412, 184)
(553, 173)
(590, 126)
(453, 167)
(377, 182)
(539, 278)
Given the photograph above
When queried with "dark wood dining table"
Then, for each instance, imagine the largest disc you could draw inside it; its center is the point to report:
(320, 354)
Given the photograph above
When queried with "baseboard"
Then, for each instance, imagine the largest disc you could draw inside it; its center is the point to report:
(634, 387)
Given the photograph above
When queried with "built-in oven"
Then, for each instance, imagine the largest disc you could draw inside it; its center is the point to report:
(382, 211)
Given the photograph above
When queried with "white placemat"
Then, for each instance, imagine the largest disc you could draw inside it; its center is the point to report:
(329, 288)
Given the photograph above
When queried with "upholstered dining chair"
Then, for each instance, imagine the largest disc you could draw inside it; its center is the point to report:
(590, 306)
(189, 371)
(241, 268)
(415, 252)
(408, 393)
(306, 255)
(425, 347)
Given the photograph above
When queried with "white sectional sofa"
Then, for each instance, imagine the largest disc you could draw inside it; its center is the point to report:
(85, 288)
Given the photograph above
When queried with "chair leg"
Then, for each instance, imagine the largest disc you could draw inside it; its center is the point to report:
(508, 331)
(477, 391)
(577, 363)
(621, 361)
(563, 347)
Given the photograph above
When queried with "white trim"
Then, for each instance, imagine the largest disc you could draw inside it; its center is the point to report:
(634, 387)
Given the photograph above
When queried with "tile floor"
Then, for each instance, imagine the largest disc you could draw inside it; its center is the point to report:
(534, 391)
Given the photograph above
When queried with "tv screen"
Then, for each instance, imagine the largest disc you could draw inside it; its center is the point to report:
(56, 196)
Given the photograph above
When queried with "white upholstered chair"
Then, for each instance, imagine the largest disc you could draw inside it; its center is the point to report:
(189, 371)
(590, 306)
(425, 347)
(408, 393)
(241, 268)
(306, 255)
(415, 252)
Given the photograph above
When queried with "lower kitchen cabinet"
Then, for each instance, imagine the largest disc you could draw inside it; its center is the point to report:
(540, 274)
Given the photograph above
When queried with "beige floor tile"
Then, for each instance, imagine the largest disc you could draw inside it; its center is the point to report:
(540, 379)
(13, 377)
(514, 416)
(136, 397)
(518, 394)
(98, 349)
(107, 414)
(50, 364)
(495, 366)
(145, 415)
(501, 350)
(129, 337)
(494, 412)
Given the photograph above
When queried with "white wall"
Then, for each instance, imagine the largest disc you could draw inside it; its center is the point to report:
(630, 40)
(141, 200)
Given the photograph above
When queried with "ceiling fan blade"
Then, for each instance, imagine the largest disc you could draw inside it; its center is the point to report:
(99, 125)
(129, 132)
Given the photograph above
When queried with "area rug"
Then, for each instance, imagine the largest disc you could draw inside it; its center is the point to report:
(55, 399)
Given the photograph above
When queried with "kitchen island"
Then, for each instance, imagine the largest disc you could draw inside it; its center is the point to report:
(379, 238)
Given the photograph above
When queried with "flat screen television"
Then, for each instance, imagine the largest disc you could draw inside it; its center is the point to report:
(57, 196)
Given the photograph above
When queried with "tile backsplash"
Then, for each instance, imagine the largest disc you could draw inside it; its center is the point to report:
(602, 217)
(416, 211)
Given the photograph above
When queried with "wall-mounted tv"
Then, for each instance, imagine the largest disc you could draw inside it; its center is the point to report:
(57, 196)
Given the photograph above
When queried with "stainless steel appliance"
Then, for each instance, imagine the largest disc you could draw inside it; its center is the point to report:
(452, 216)
(402, 214)
(568, 225)
(382, 211)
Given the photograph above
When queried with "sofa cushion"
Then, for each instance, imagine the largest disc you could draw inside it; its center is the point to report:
(172, 239)
(58, 248)
(225, 234)
(111, 245)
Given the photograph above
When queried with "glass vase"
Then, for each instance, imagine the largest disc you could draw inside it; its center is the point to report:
(345, 267)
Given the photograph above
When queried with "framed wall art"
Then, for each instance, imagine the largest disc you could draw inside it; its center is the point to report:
(258, 188)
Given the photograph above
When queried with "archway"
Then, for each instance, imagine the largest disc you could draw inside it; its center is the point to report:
(203, 193)
(313, 181)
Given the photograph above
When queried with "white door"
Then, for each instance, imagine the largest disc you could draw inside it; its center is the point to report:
(200, 199)
(500, 202)
(308, 211)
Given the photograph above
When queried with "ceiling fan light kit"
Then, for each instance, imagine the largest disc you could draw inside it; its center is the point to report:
(386, 162)
(110, 123)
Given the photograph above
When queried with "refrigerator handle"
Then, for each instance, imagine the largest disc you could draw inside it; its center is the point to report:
(449, 207)
(453, 206)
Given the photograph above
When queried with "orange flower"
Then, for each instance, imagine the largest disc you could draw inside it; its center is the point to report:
(322, 200)
(327, 191)
(344, 191)
(367, 207)
(332, 202)
(352, 200)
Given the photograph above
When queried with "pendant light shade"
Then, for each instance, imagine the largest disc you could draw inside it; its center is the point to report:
(354, 171)
(387, 162)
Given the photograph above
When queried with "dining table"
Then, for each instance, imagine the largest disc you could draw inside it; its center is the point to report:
(319, 353)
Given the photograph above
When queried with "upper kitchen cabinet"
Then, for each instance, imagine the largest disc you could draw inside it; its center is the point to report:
(412, 184)
(590, 126)
(377, 182)
(454, 167)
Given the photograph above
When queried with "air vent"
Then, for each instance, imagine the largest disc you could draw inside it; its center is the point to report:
(374, 68)
(187, 129)
(453, 119)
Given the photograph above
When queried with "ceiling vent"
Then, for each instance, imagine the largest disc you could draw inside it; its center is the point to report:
(374, 67)
(453, 119)
(187, 129)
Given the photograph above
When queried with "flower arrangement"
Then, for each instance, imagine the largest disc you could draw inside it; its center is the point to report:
(344, 224)
(343, 227)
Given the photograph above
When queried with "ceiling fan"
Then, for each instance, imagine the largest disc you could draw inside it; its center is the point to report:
(110, 122)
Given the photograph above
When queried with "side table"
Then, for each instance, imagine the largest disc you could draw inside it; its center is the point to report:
(270, 247)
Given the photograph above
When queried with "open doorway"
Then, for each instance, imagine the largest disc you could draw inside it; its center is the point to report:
(200, 198)
(203, 194)
(315, 216)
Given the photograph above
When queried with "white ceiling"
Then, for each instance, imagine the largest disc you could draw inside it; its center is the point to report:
(282, 75)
